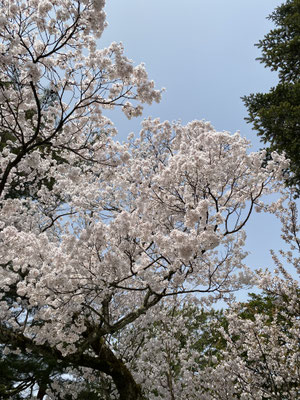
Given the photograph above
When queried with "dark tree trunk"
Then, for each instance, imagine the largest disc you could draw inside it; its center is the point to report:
(127, 387)
(42, 391)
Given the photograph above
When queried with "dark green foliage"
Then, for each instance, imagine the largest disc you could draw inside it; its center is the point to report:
(21, 372)
(281, 46)
(276, 115)
(24, 375)
(210, 341)
(258, 304)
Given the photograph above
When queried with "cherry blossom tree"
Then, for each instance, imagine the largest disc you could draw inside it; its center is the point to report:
(95, 234)
(249, 351)
(262, 356)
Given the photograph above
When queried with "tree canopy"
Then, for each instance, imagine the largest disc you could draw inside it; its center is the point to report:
(276, 115)
(102, 244)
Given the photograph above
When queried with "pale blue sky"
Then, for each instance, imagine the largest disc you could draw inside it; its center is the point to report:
(203, 52)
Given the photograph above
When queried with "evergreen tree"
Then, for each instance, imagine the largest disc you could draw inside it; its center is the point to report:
(276, 115)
